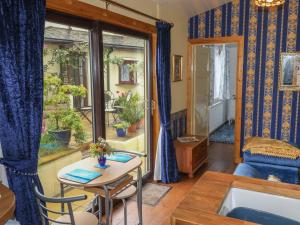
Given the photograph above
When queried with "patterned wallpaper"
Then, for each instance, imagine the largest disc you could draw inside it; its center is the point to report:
(266, 111)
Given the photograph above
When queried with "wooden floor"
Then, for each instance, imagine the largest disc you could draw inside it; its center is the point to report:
(220, 158)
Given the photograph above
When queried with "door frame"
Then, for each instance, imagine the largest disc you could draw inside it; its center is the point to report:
(239, 40)
(96, 18)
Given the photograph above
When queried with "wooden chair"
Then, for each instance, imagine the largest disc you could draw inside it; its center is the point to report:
(70, 217)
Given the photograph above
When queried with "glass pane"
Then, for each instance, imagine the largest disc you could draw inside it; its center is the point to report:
(67, 119)
(201, 74)
(126, 93)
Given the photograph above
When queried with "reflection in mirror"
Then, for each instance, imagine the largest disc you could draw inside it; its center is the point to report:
(290, 71)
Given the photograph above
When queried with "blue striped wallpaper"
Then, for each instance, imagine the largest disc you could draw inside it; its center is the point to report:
(266, 111)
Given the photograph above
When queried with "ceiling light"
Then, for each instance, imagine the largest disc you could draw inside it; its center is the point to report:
(269, 3)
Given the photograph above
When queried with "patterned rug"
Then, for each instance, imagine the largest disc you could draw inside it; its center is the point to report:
(153, 193)
(225, 134)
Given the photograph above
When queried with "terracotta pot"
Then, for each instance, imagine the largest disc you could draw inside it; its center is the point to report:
(141, 123)
(132, 128)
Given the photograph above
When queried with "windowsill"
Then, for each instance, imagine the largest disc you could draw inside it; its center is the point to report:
(60, 154)
(135, 84)
(52, 157)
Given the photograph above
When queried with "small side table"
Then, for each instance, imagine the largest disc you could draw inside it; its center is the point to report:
(191, 156)
(8, 204)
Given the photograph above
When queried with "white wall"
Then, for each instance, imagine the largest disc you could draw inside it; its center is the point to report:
(169, 12)
(3, 178)
(232, 67)
(217, 115)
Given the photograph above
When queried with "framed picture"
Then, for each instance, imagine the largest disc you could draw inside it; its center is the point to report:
(127, 73)
(177, 68)
(290, 71)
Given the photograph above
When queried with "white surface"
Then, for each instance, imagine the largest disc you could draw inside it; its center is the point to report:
(231, 109)
(3, 177)
(157, 167)
(193, 7)
(232, 68)
(200, 92)
(217, 115)
(12, 222)
(279, 205)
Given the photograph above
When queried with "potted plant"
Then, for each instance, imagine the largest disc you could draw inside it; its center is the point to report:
(62, 120)
(100, 149)
(141, 122)
(121, 128)
(131, 112)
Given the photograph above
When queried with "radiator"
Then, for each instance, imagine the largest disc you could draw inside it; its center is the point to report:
(217, 115)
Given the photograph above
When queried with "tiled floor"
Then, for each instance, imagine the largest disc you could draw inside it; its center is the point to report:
(220, 158)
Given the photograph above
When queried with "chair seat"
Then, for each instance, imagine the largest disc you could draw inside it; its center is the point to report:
(81, 218)
(128, 192)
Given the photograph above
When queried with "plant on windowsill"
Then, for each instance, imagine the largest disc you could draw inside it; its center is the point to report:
(62, 119)
(100, 150)
(121, 128)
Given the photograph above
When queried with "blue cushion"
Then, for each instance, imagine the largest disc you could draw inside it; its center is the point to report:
(244, 169)
(286, 174)
(248, 157)
(260, 217)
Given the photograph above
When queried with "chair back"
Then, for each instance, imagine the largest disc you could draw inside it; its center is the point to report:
(42, 201)
(109, 100)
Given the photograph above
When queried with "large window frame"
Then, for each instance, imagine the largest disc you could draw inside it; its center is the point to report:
(96, 29)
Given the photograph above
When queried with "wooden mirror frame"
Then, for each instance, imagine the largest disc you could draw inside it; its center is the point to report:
(294, 86)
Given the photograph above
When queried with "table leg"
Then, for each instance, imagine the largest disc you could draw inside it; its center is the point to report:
(111, 211)
(107, 205)
(62, 194)
(140, 196)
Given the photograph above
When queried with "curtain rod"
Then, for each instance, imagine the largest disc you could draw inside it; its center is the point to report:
(110, 2)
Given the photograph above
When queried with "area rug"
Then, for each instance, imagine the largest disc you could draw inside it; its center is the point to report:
(225, 134)
(153, 193)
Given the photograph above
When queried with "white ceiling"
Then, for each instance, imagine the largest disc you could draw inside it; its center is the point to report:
(193, 7)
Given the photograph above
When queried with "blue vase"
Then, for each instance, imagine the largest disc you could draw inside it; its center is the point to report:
(102, 161)
(121, 132)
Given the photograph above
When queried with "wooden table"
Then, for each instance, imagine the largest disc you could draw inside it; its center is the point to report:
(191, 156)
(116, 171)
(202, 204)
(7, 204)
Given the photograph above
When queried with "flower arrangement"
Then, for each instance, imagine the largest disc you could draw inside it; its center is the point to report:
(100, 149)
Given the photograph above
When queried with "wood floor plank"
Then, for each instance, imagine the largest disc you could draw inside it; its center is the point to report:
(220, 158)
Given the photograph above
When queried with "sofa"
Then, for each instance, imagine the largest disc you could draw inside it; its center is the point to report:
(259, 166)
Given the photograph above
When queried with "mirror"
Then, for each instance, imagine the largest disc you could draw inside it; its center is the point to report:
(290, 71)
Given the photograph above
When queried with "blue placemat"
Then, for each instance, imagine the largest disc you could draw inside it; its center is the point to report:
(123, 158)
(81, 176)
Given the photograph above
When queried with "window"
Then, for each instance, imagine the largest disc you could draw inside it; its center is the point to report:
(127, 73)
(68, 117)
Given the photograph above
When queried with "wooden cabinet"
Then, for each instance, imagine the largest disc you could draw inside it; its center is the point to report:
(191, 156)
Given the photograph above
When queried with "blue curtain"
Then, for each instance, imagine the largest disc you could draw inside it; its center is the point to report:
(169, 169)
(21, 99)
